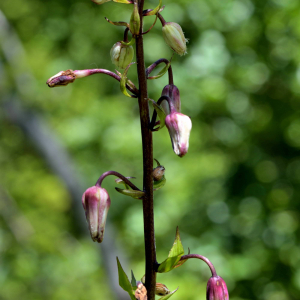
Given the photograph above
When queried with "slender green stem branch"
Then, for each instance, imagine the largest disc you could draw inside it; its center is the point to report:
(147, 145)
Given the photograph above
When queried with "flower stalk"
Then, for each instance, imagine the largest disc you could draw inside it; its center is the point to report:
(147, 146)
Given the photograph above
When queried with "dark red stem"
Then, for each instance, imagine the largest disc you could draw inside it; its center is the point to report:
(147, 146)
(99, 181)
(206, 260)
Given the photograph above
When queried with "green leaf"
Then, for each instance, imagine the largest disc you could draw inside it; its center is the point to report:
(117, 23)
(120, 181)
(174, 255)
(123, 1)
(161, 114)
(124, 281)
(133, 281)
(123, 81)
(132, 193)
(159, 184)
(155, 10)
(168, 296)
(181, 262)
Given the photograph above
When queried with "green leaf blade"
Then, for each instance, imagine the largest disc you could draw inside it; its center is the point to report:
(174, 255)
(124, 281)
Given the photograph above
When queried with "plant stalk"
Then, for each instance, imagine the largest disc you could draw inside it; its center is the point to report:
(147, 145)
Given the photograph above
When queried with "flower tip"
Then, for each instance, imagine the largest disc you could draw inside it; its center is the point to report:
(62, 78)
(216, 289)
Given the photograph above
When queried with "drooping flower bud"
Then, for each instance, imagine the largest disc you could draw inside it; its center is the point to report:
(121, 55)
(100, 1)
(174, 37)
(179, 126)
(96, 203)
(172, 92)
(216, 289)
(61, 78)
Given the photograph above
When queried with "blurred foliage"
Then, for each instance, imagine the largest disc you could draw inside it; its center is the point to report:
(234, 196)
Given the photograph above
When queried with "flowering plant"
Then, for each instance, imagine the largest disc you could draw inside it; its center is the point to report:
(167, 109)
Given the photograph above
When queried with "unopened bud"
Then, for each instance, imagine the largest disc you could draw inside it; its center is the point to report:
(172, 92)
(179, 127)
(174, 37)
(158, 173)
(61, 78)
(140, 292)
(100, 1)
(96, 203)
(121, 55)
(134, 24)
(161, 289)
(216, 289)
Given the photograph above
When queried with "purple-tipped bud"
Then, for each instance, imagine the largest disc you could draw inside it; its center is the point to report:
(61, 78)
(179, 126)
(174, 37)
(121, 55)
(172, 92)
(96, 203)
(216, 289)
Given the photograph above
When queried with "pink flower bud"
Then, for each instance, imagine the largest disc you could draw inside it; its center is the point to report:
(174, 37)
(216, 289)
(179, 126)
(96, 203)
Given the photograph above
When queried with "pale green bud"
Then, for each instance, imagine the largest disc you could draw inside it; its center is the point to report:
(134, 24)
(174, 37)
(121, 55)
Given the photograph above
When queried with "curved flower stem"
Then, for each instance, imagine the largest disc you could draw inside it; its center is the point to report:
(65, 77)
(99, 181)
(88, 72)
(206, 260)
(125, 39)
(147, 146)
(162, 20)
(155, 64)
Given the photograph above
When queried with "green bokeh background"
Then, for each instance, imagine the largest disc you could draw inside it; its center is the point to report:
(234, 196)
